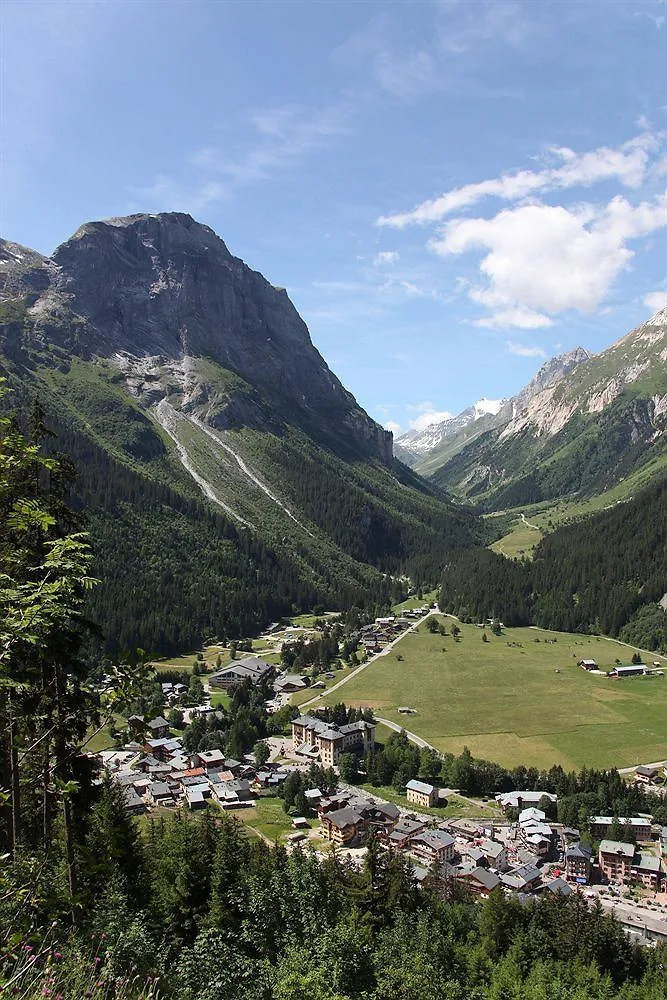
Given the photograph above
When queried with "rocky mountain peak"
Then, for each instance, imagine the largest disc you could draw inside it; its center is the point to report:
(155, 294)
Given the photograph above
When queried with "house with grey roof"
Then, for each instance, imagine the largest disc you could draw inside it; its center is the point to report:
(250, 668)
(421, 793)
(316, 739)
(433, 845)
(478, 880)
(342, 826)
(578, 863)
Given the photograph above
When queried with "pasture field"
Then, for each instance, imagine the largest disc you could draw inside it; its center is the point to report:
(517, 700)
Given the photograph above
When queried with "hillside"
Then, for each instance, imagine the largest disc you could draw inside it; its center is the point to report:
(582, 426)
(605, 574)
(229, 476)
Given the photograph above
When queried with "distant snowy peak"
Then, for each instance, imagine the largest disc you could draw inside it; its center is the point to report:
(419, 442)
(484, 406)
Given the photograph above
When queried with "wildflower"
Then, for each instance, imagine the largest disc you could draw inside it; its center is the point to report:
(97, 959)
(27, 947)
(57, 954)
(46, 992)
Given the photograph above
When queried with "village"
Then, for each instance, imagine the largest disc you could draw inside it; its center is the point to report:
(516, 848)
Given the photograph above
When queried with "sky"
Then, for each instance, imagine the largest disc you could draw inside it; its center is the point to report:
(451, 192)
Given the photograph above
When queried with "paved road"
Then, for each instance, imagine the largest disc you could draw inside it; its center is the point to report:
(376, 656)
(411, 736)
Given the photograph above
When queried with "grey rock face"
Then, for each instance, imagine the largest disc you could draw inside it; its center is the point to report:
(166, 288)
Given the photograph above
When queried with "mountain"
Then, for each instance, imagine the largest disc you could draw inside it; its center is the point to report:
(579, 427)
(229, 475)
(416, 444)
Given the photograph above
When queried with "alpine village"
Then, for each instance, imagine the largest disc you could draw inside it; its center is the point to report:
(295, 706)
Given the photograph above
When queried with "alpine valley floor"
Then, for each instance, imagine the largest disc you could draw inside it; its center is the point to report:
(518, 698)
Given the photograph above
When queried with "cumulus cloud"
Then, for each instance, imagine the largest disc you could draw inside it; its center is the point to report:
(427, 414)
(627, 164)
(385, 257)
(539, 260)
(524, 350)
(655, 301)
(392, 426)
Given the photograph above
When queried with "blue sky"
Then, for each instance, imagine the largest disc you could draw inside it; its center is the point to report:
(450, 192)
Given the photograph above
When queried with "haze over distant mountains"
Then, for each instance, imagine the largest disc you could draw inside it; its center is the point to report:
(581, 424)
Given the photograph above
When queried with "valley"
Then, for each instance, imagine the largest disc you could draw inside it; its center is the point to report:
(517, 698)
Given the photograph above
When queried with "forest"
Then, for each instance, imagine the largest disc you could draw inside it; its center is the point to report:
(603, 575)
(94, 906)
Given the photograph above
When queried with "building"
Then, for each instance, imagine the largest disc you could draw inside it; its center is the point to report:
(251, 668)
(520, 800)
(478, 880)
(314, 738)
(159, 728)
(615, 859)
(578, 863)
(646, 773)
(495, 854)
(433, 845)
(631, 670)
(342, 826)
(647, 869)
(404, 832)
(289, 683)
(640, 826)
(421, 793)
(588, 664)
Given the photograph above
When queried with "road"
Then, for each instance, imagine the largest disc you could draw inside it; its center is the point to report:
(375, 656)
(528, 524)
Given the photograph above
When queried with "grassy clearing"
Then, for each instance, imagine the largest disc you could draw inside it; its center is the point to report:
(455, 806)
(299, 697)
(220, 699)
(521, 540)
(415, 602)
(268, 818)
(524, 703)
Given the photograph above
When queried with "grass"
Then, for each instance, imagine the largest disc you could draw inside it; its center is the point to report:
(415, 602)
(220, 699)
(523, 704)
(268, 818)
(521, 540)
(299, 697)
(455, 806)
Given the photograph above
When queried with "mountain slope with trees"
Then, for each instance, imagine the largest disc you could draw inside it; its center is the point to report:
(228, 476)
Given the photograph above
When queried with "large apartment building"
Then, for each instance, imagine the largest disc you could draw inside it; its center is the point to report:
(316, 739)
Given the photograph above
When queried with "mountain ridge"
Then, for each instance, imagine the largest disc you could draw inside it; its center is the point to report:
(174, 370)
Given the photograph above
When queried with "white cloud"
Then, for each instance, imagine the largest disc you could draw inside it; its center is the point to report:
(427, 415)
(524, 350)
(426, 419)
(655, 301)
(539, 260)
(392, 426)
(385, 257)
(627, 164)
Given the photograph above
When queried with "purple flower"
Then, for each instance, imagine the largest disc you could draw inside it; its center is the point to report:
(57, 954)
(27, 947)
(97, 959)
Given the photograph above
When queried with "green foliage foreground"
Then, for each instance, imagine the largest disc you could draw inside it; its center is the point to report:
(193, 910)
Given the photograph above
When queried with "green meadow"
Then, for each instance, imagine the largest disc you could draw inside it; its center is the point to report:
(518, 700)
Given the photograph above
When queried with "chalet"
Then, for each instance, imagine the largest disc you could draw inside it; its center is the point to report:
(646, 773)
(478, 880)
(474, 854)
(133, 802)
(494, 853)
(208, 759)
(342, 826)
(289, 683)
(520, 800)
(316, 739)
(578, 863)
(313, 797)
(433, 845)
(232, 793)
(615, 859)
(523, 879)
(421, 793)
(250, 668)
(640, 826)
(559, 887)
(404, 831)
(159, 794)
(159, 727)
(196, 795)
(587, 664)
